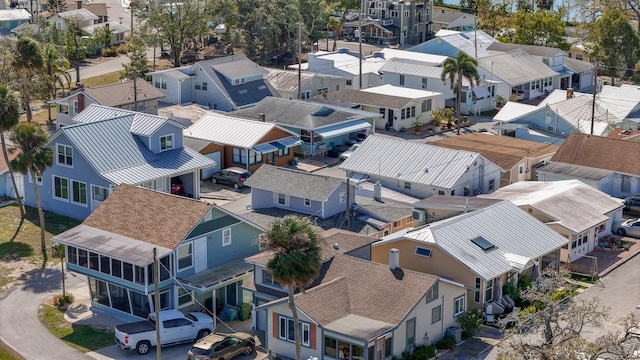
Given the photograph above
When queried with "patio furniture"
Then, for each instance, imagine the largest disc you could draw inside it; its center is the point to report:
(322, 149)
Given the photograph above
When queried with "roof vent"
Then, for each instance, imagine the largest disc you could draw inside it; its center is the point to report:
(336, 246)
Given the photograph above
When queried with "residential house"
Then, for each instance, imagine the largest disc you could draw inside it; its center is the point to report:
(606, 164)
(438, 207)
(98, 9)
(235, 141)
(6, 185)
(303, 192)
(320, 126)
(448, 19)
(504, 242)
(109, 147)
(120, 95)
(382, 217)
(82, 17)
(227, 83)
(624, 134)
(347, 64)
(200, 250)
(518, 157)
(117, 29)
(400, 107)
(422, 170)
(11, 18)
(285, 82)
(573, 209)
(449, 43)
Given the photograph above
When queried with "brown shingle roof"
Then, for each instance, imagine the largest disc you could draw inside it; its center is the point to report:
(353, 286)
(122, 93)
(600, 152)
(369, 98)
(623, 134)
(505, 151)
(147, 215)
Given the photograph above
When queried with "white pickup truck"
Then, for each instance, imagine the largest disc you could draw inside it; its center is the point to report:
(175, 328)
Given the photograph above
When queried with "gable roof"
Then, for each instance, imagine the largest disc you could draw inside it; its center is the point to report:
(115, 26)
(143, 124)
(504, 151)
(534, 50)
(293, 183)
(14, 14)
(577, 66)
(302, 114)
(516, 67)
(560, 199)
(465, 41)
(573, 171)
(122, 93)
(577, 112)
(514, 110)
(558, 95)
(413, 56)
(80, 14)
(600, 152)
(620, 101)
(498, 224)
(406, 160)
(387, 96)
(446, 16)
(287, 80)
(148, 215)
(345, 61)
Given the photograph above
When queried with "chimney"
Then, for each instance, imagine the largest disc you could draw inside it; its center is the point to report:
(569, 93)
(394, 259)
(81, 100)
(336, 246)
(78, 4)
(262, 117)
(377, 191)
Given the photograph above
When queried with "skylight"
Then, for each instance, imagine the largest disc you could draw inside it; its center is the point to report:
(483, 243)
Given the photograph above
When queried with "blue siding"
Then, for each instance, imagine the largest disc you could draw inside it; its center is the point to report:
(261, 199)
(432, 47)
(333, 206)
(537, 120)
(166, 129)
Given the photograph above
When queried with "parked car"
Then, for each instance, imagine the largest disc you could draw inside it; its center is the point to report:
(234, 176)
(629, 227)
(519, 94)
(350, 151)
(218, 346)
(632, 205)
(177, 187)
(175, 328)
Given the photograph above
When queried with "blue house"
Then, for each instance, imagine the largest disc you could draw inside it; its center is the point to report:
(317, 195)
(109, 147)
(12, 18)
(200, 250)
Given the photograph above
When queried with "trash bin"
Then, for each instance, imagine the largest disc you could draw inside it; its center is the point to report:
(244, 311)
(454, 332)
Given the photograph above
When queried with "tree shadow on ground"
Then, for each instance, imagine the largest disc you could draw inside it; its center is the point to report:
(42, 280)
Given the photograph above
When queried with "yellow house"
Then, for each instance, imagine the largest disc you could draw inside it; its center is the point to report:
(481, 249)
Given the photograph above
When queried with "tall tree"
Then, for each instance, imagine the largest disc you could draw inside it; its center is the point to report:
(27, 62)
(613, 42)
(55, 70)
(462, 66)
(33, 158)
(56, 6)
(75, 44)
(297, 259)
(333, 24)
(9, 117)
(543, 28)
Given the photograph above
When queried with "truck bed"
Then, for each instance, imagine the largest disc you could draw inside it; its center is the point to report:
(136, 327)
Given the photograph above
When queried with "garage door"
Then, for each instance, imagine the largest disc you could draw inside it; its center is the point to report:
(208, 172)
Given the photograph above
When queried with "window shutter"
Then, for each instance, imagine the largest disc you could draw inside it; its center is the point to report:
(275, 324)
(312, 336)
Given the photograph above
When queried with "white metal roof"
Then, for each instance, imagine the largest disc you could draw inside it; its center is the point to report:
(577, 111)
(466, 41)
(561, 200)
(14, 14)
(557, 96)
(351, 64)
(80, 14)
(431, 59)
(515, 235)
(514, 110)
(229, 130)
(516, 67)
(406, 160)
(401, 91)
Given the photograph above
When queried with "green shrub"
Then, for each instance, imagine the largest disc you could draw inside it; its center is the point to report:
(524, 282)
(122, 49)
(62, 300)
(511, 291)
(422, 352)
(470, 322)
(108, 52)
(560, 294)
(446, 343)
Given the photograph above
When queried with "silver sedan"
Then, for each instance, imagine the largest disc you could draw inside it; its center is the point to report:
(629, 227)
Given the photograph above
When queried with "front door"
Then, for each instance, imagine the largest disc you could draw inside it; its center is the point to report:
(390, 118)
(200, 254)
(271, 158)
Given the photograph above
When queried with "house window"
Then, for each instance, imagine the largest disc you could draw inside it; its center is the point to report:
(60, 188)
(436, 314)
(411, 332)
(453, 192)
(407, 185)
(58, 24)
(38, 178)
(349, 82)
(342, 197)
(579, 57)
(226, 237)
(287, 327)
(200, 85)
(184, 297)
(147, 184)
(160, 83)
(424, 83)
(283, 152)
(63, 109)
(625, 183)
(459, 305)
(492, 184)
(432, 293)
(520, 169)
(72, 256)
(394, 13)
(282, 200)
(185, 259)
(488, 292)
(401, 81)
(76, 109)
(467, 190)
(423, 251)
(550, 128)
(267, 278)
(307, 202)
(396, 224)
(166, 142)
(79, 192)
(426, 105)
(240, 156)
(476, 294)
(65, 155)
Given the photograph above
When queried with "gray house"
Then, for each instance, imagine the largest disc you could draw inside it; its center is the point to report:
(317, 195)
(227, 83)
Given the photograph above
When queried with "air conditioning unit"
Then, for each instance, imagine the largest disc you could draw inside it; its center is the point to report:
(418, 215)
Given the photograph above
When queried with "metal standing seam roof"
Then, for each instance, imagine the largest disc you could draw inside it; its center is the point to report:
(516, 67)
(80, 14)
(504, 225)
(351, 64)
(95, 112)
(287, 80)
(514, 110)
(14, 14)
(407, 161)
(534, 50)
(293, 183)
(113, 25)
(416, 69)
(575, 171)
(401, 91)
(369, 98)
(465, 41)
(560, 199)
(576, 65)
(557, 96)
(577, 112)
(427, 59)
(142, 124)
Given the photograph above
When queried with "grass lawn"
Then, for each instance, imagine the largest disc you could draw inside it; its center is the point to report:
(23, 240)
(5, 278)
(7, 354)
(82, 337)
(585, 279)
(490, 113)
(105, 79)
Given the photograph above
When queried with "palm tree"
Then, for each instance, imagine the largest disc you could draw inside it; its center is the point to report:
(455, 69)
(27, 61)
(55, 69)
(9, 117)
(297, 258)
(33, 159)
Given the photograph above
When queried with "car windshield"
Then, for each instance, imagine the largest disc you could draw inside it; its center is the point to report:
(200, 350)
(353, 147)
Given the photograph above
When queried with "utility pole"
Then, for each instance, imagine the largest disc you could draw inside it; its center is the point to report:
(359, 47)
(299, 60)
(475, 34)
(593, 101)
(135, 91)
(132, 5)
(348, 210)
(156, 303)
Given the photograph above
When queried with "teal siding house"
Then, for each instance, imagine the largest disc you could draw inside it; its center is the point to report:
(200, 250)
(11, 18)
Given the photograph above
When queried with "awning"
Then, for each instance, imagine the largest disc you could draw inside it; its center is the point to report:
(481, 92)
(565, 73)
(373, 222)
(273, 146)
(519, 262)
(341, 129)
(288, 142)
(265, 148)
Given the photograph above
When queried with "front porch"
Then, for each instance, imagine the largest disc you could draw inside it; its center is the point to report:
(600, 262)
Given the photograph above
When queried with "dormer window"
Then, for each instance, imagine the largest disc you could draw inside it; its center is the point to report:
(166, 142)
(239, 81)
